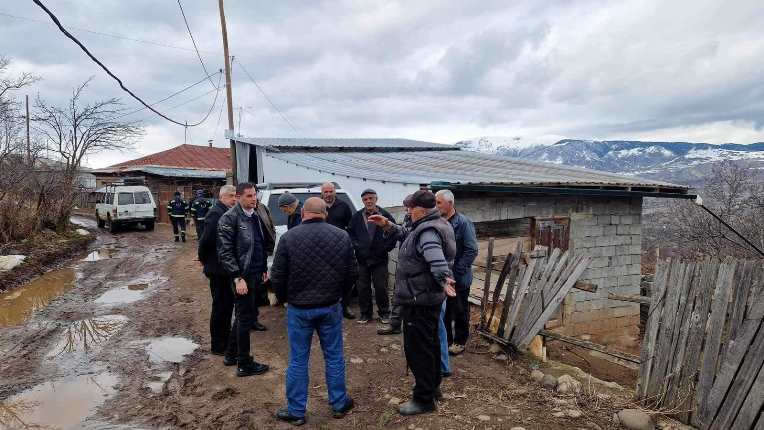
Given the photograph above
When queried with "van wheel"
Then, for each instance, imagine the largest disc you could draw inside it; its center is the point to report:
(149, 225)
(101, 223)
(111, 226)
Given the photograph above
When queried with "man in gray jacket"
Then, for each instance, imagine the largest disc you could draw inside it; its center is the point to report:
(422, 281)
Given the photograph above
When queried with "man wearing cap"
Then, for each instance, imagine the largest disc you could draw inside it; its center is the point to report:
(371, 249)
(199, 208)
(338, 215)
(177, 209)
(313, 266)
(423, 278)
(290, 206)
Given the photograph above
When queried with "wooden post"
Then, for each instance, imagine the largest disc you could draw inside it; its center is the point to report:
(487, 284)
(228, 91)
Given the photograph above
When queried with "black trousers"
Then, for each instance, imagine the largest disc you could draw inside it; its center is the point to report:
(422, 347)
(178, 226)
(246, 314)
(376, 276)
(222, 309)
(457, 317)
(199, 224)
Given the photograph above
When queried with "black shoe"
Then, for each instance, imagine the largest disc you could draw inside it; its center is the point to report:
(340, 413)
(251, 368)
(283, 415)
(415, 408)
(256, 326)
(184, 239)
(214, 352)
(177, 239)
(229, 361)
(446, 374)
(347, 314)
(389, 329)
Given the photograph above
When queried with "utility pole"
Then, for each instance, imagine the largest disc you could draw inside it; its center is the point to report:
(229, 97)
(29, 144)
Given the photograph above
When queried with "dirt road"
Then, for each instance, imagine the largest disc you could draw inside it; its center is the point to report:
(126, 343)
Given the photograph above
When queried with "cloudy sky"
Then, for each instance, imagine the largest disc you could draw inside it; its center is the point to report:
(432, 70)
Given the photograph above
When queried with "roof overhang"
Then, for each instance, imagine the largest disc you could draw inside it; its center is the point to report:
(571, 190)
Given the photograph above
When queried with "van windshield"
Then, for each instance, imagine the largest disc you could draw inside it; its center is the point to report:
(125, 199)
(142, 198)
(280, 219)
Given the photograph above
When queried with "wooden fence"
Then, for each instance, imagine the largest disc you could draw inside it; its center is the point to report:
(703, 350)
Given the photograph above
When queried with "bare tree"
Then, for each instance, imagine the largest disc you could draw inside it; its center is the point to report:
(9, 84)
(77, 130)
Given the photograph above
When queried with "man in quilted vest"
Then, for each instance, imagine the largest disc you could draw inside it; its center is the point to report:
(423, 278)
(313, 268)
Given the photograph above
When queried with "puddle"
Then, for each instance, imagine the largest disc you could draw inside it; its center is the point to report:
(132, 292)
(161, 378)
(16, 306)
(85, 337)
(169, 349)
(99, 254)
(83, 221)
(61, 404)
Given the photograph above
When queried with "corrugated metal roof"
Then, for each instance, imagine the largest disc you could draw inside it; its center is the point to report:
(343, 143)
(457, 167)
(170, 172)
(186, 156)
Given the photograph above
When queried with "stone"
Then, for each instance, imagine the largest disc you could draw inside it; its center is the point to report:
(495, 348)
(537, 375)
(501, 357)
(82, 232)
(560, 401)
(384, 350)
(559, 414)
(8, 262)
(395, 346)
(549, 382)
(573, 413)
(568, 384)
(356, 360)
(635, 419)
(484, 418)
(394, 401)
(517, 428)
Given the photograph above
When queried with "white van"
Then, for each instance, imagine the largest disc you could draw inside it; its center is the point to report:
(123, 205)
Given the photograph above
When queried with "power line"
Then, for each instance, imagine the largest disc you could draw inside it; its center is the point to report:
(196, 48)
(101, 33)
(106, 69)
(266, 97)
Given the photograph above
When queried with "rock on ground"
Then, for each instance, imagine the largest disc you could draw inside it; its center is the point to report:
(537, 375)
(82, 232)
(549, 381)
(568, 384)
(8, 262)
(635, 419)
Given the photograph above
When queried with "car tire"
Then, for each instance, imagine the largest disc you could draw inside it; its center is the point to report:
(101, 223)
(149, 225)
(111, 226)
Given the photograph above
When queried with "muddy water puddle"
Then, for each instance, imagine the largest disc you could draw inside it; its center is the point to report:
(81, 339)
(100, 254)
(169, 349)
(130, 291)
(16, 306)
(61, 404)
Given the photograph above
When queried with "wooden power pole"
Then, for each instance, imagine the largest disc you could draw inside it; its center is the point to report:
(229, 97)
(29, 144)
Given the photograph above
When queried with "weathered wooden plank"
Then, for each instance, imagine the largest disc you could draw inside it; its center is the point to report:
(520, 296)
(632, 299)
(713, 338)
(586, 286)
(679, 342)
(695, 335)
(581, 263)
(511, 279)
(525, 306)
(740, 297)
(753, 404)
(499, 286)
(627, 359)
(746, 374)
(552, 283)
(535, 305)
(487, 286)
(667, 325)
(651, 328)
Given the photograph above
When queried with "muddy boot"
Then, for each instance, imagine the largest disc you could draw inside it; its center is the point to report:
(415, 408)
(183, 237)
(251, 367)
(340, 413)
(284, 415)
(389, 329)
(177, 239)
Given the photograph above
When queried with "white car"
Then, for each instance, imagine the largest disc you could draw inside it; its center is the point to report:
(124, 205)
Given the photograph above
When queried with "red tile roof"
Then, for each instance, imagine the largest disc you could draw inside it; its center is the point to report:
(186, 156)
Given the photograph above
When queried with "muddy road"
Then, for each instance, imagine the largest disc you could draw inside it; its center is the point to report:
(120, 339)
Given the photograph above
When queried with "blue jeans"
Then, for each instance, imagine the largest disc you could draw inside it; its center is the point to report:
(444, 367)
(301, 323)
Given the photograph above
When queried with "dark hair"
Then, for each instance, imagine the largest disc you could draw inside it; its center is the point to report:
(423, 199)
(243, 186)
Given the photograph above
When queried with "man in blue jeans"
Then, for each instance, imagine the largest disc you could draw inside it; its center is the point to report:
(313, 267)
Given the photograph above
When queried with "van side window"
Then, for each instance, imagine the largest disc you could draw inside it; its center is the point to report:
(142, 198)
(125, 199)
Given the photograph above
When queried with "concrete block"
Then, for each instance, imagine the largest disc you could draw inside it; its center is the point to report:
(610, 230)
(605, 241)
(593, 230)
(624, 229)
(636, 229)
(636, 239)
(635, 269)
(600, 262)
(627, 219)
(615, 219)
(622, 260)
(607, 251)
(585, 306)
(636, 259)
(635, 249)
(603, 219)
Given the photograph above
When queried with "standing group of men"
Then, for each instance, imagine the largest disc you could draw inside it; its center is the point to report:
(178, 209)
(325, 253)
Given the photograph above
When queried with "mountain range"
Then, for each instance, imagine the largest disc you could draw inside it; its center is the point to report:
(678, 162)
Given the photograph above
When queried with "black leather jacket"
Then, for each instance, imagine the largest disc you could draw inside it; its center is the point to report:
(208, 243)
(241, 247)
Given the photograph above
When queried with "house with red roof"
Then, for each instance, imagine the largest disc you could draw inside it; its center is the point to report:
(185, 168)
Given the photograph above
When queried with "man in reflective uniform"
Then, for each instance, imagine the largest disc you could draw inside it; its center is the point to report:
(199, 209)
(177, 209)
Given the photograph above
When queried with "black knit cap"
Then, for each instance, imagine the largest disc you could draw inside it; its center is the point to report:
(423, 199)
(368, 191)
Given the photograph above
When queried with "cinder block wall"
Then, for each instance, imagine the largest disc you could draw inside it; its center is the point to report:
(605, 228)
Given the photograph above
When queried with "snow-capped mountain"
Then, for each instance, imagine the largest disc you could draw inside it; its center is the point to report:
(680, 162)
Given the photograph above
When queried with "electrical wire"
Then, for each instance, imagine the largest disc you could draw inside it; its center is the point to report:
(193, 41)
(283, 116)
(112, 75)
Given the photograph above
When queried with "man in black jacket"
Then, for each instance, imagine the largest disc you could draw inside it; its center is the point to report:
(243, 255)
(338, 215)
(313, 266)
(220, 283)
(371, 250)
